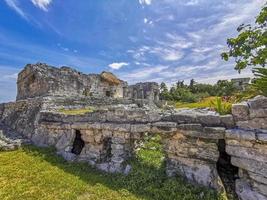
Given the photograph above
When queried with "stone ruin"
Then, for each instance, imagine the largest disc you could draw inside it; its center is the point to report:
(200, 145)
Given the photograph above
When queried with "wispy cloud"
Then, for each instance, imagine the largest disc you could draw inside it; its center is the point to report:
(42, 4)
(15, 6)
(117, 65)
(145, 2)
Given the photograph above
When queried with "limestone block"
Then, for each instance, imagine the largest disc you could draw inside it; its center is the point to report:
(245, 192)
(98, 136)
(258, 178)
(258, 113)
(191, 127)
(256, 123)
(258, 102)
(184, 118)
(262, 137)
(215, 132)
(140, 128)
(106, 133)
(250, 165)
(239, 134)
(262, 188)
(118, 140)
(80, 125)
(209, 120)
(88, 136)
(240, 111)
(243, 143)
(163, 127)
(199, 172)
(68, 156)
(248, 153)
(228, 121)
(65, 140)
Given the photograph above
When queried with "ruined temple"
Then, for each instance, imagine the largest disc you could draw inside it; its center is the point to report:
(200, 145)
(43, 80)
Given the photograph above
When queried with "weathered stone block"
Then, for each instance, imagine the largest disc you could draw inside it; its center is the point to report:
(259, 113)
(135, 128)
(256, 123)
(191, 127)
(240, 111)
(239, 134)
(258, 102)
(248, 153)
(215, 132)
(209, 120)
(245, 192)
(228, 121)
(250, 165)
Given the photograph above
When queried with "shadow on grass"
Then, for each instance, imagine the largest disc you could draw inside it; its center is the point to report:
(145, 181)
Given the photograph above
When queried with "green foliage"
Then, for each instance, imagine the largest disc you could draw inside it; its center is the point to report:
(261, 80)
(249, 47)
(195, 91)
(38, 173)
(221, 107)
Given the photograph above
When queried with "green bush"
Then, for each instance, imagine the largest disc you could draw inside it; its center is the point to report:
(220, 106)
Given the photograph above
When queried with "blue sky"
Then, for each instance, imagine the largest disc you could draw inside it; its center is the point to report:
(138, 40)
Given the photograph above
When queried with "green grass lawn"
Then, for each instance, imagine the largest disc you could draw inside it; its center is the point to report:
(37, 173)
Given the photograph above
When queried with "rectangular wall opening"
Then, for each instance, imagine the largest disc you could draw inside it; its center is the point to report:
(227, 172)
(78, 143)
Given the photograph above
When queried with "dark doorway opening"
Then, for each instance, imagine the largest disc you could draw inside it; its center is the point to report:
(108, 94)
(78, 143)
(227, 171)
(106, 154)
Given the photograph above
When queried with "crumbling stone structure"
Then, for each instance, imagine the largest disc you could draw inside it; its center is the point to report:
(200, 145)
(39, 79)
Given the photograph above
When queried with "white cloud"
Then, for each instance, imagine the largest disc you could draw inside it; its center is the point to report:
(145, 2)
(11, 76)
(42, 4)
(143, 74)
(117, 65)
(15, 6)
(145, 20)
(192, 3)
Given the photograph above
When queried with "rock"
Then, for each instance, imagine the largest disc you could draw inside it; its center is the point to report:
(209, 120)
(140, 128)
(165, 127)
(68, 156)
(240, 111)
(258, 102)
(256, 123)
(245, 192)
(103, 167)
(250, 165)
(248, 153)
(192, 127)
(228, 121)
(65, 140)
(127, 169)
(239, 134)
(259, 113)
(215, 132)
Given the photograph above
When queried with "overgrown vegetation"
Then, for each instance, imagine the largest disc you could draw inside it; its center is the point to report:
(80, 111)
(194, 92)
(249, 48)
(37, 173)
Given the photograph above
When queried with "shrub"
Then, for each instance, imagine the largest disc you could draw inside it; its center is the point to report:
(220, 106)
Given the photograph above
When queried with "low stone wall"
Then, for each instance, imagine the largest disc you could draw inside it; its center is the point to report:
(22, 115)
(247, 145)
(196, 142)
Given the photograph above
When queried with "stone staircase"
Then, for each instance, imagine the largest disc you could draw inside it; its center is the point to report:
(10, 139)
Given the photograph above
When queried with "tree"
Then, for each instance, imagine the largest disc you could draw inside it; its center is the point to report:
(261, 79)
(164, 93)
(249, 47)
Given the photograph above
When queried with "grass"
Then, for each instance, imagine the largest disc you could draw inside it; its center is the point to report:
(205, 103)
(32, 173)
(76, 111)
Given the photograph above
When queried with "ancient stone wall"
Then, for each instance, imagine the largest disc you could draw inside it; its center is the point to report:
(247, 145)
(200, 145)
